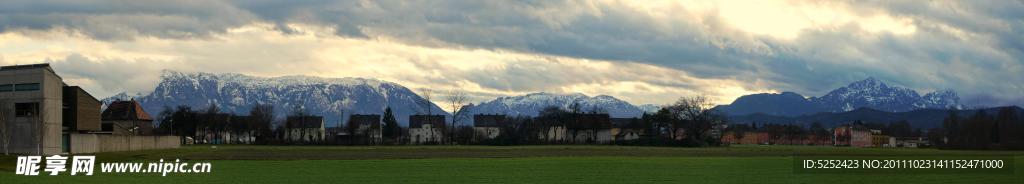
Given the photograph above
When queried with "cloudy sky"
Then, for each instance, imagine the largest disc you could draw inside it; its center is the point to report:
(639, 51)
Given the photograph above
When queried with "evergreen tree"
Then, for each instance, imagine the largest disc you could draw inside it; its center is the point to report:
(391, 129)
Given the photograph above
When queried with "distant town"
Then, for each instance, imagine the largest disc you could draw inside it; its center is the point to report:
(41, 114)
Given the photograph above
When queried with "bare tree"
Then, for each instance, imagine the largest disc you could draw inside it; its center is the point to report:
(695, 115)
(456, 101)
(261, 116)
(5, 127)
(299, 111)
(426, 104)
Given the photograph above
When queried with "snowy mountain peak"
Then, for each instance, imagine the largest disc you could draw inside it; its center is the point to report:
(333, 98)
(867, 93)
(869, 82)
(530, 104)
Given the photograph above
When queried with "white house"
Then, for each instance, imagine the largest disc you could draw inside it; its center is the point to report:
(487, 126)
(426, 129)
(366, 128)
(305, 129)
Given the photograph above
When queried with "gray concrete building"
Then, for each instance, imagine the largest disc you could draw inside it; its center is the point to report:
(32, 101)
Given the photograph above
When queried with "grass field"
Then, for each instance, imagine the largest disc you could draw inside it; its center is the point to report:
(515, 164)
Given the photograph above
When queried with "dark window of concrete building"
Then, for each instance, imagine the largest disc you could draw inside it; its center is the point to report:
(6, 87)
(26, 87)
(26, 109)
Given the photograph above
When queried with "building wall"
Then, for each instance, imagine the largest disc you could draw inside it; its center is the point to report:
(30, 136)
(880, 140)
(425, 134)
(120, 127)
(85, 110)
(488, 132)
(311, 134)
(860, 139)
(600, 136)
(92, 143)
(553, 134)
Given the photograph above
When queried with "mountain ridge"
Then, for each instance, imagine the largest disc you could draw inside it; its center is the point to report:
(869, 92)
(333, 98)
(530, 104)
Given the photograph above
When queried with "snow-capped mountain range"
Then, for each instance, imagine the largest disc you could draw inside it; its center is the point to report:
(336, 98)
(531, 104)
(333, 98)
(870, 93)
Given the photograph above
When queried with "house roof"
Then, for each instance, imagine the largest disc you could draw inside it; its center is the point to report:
(417, 121)
(361, 120)
(125, 110)
(485, 120)
(592, 121)
(304, 122)
(625, 122)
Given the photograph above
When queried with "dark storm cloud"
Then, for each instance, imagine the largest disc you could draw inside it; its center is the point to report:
(973, 47)
(115, 20)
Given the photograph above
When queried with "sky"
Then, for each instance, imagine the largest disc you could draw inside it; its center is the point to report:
(644, 52)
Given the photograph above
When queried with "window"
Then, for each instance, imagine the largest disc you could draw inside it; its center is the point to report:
(6, 87)
(26, 87)
(26, 109)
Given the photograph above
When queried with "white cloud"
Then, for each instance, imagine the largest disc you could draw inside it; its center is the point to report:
(259, 50)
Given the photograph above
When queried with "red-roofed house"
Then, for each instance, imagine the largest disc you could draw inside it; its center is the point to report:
(126, 118)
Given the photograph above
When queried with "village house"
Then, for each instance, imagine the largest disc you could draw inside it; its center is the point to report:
(487, 126)
(214, 133)
(553, 133)
(852, 135)
(365, 128)
(426, 129)
(881, 140)
(305, 129)
(626, 129)
(591, 128)
(909, 142)
(127, 118)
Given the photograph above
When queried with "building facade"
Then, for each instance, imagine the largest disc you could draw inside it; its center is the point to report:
(591, 128)
(39, 112)
(365, 128)
(852, 135)
(305, 129)
(426, 129)
(626, 129)
(127, 118)
(31, 97)
(487, 126)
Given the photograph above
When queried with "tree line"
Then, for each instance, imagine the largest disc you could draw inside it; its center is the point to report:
(687, 122)
(981, 130)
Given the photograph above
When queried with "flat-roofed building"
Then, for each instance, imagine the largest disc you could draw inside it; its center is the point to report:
(38, 110)
(853, 135)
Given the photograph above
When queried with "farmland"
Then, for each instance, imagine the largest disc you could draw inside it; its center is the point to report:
(514, 164)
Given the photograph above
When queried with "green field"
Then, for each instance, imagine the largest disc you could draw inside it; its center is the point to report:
(514, 164)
